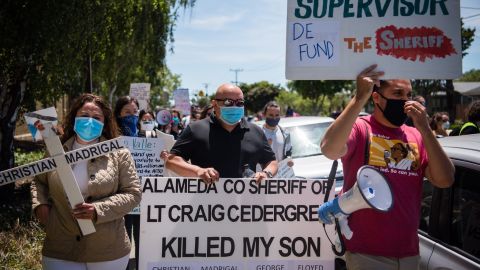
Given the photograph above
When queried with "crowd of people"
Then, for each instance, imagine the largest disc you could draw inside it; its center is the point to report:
(218, 141)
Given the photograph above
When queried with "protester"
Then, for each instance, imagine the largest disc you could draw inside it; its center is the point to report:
(109, 185)
(385, 240)
(472, 126)
(421, 100)
(148, 125)
(277, 137)
(289, 112)
(206, 112)
(436, 124)
(446, 122)
(126, 116)
(220, 146)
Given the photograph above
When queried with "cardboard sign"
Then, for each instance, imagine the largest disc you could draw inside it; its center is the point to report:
(146, 154)
(233, 223)
(336, 40)
(141, 91)
(182, 100)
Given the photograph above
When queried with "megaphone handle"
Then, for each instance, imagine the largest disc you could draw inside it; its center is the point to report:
(340, 238)
(346, 231)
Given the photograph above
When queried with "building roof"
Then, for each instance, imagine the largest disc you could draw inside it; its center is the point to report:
(467, 88)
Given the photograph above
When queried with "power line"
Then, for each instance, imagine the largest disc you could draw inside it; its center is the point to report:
(470, 7)
(472, 16)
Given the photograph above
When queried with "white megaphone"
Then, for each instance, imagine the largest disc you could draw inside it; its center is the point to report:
(371, 190)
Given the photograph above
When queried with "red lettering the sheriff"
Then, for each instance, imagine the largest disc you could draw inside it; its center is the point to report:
(413, 43)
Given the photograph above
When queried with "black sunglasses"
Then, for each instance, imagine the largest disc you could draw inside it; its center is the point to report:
(230, 102)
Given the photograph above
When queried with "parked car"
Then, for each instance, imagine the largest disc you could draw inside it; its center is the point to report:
(450, 218)
(306, 132)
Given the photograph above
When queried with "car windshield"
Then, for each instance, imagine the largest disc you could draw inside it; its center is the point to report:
(306, 139)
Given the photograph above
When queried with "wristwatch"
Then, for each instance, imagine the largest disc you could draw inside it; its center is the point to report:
(268, 173)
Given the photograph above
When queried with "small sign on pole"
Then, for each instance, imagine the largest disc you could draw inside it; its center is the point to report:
(182, 100)
(141, 91)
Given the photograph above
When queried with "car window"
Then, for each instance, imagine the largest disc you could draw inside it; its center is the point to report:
(306, 139)
(427, 193)
(466, 211)
(465, 221)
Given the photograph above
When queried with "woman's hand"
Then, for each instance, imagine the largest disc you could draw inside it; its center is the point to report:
(85, 211)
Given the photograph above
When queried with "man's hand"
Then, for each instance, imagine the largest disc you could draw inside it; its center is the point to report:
(42, 212)
(365, 81)
(260, 176)
(85, 211)
(208, 175)
(418, 114)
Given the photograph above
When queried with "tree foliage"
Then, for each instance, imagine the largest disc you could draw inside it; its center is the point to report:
(471, 76)
(49, 49)
(258, 94)
(318, 91)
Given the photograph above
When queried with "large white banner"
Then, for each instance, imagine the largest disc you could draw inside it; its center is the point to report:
(417, 39)
(233, 224)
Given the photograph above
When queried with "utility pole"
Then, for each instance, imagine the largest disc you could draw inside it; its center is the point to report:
(237, 70)
(206, 88)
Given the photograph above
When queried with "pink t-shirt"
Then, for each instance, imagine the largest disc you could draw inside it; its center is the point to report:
(399, 153)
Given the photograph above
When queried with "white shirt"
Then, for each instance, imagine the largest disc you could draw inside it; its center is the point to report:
(80, 171)
(275, 140)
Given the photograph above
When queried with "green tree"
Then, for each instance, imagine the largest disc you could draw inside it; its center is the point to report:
(318, 91)
(51, 48)
(471, 76)
(258, 94)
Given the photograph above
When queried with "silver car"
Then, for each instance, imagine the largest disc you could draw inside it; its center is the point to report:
(306, 132)
(450, 218)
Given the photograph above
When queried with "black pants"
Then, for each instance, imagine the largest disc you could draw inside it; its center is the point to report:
(132, 222)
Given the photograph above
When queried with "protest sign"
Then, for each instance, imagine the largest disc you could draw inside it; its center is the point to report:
(233, 224)
(182, 100)
(407, 39)
(146, 154)
(44, 115)
(285, 171)
(141, 91)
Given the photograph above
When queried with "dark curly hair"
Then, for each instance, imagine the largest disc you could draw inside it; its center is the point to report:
(110, 129)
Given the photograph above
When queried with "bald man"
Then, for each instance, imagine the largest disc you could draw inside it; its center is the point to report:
(222, 145)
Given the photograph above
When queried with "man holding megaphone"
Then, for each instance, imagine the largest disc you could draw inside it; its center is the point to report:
(383, 225)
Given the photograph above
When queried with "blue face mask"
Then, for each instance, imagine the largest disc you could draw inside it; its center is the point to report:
(128, 125)
(176, 121)
(231, 115)
(87, 128)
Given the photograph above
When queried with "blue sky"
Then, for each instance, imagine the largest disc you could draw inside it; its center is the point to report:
(217, 36)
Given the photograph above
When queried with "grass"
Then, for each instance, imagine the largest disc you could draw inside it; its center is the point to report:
(21, 237)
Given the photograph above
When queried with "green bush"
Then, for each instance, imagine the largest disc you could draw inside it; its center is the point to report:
(21, 237)
(22, 158)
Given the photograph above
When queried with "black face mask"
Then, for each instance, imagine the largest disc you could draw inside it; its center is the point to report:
(272, 122)
(394, 111)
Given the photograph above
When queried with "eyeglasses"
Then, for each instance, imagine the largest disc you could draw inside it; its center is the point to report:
(231, 102)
